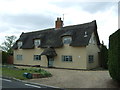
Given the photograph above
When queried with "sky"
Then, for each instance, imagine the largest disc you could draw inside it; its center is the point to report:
(17, 16)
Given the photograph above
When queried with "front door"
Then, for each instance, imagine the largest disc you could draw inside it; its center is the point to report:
(50, 61)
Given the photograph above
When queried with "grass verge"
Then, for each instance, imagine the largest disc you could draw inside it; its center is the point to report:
(13, 72)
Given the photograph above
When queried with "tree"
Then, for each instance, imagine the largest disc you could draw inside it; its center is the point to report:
(104, 56)
(8, 43)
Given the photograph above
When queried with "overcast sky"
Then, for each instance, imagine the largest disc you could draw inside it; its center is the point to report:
(17, 16)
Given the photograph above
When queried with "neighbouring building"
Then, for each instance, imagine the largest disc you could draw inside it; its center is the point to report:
(74, 47)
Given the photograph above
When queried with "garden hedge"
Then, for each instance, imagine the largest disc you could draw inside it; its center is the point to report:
(114, 55)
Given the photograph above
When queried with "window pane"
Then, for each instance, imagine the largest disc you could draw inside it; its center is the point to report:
(36, 42)
(67, 40)
(19, 44)
(91, 58)
(19, 57)
(37, 57)
(67, 58)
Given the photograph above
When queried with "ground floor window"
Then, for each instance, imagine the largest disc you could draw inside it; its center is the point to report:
(37, 57)
(67, 58)
(91, 58)
(19, 57)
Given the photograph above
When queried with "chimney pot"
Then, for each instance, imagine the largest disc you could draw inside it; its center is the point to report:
(58, 23)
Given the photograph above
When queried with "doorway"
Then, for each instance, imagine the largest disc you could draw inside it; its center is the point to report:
(50, 61)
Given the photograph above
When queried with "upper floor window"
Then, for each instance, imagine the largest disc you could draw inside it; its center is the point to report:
(92, 40)
(67, 40)
(19, 44)
(37, 42)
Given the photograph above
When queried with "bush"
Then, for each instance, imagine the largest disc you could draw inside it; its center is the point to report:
(114, 55)
(42, 72)
(4, 57)
(104, 56)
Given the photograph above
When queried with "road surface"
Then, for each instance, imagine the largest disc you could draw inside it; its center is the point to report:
(11, 83)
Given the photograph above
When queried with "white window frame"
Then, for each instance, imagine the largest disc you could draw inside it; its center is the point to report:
(37, 42)
(37, 57)
(92, 40)
(19, 57)
(67, 58)
(67, 40)
(90, 58)
(19, 43)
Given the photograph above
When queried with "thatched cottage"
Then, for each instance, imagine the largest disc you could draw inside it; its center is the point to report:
(74, 47)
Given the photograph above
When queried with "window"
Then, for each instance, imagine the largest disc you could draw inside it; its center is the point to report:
(37, 57)
(67, 40)
(67, 58)
(19, 57)
(37, 42)
(19, 44)
(94, 40)
(91, 58)
(85, 34)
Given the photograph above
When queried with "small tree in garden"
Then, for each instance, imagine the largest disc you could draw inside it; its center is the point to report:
(8, 43)
(6, 47)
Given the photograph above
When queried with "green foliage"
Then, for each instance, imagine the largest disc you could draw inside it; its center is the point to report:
(104, 56)
(11, 71)
(8, 43)
(4, 57)
(114, 55)
(45, 73)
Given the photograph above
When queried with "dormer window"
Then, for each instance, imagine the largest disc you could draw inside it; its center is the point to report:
(67, 40)
(92, 39)
(85, 35)
(37, 42)
(19, 44)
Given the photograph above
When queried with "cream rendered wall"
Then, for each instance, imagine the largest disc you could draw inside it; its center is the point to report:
(28, 57)
(92, 49)
(78, 55)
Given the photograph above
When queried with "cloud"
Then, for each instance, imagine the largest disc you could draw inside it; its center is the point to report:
(17, 16)
(91, 7)
(28, 20)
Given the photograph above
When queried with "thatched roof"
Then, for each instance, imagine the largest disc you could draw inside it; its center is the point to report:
(53, 38)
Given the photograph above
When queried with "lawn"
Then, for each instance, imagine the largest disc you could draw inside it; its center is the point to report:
(13, 72)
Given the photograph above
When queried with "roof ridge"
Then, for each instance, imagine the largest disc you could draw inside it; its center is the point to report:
(43, 30)
(38, 31)
(94, 21)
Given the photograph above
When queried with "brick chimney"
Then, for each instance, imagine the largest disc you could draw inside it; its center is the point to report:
(58, 23)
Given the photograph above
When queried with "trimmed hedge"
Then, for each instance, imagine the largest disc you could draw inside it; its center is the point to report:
(114, 55)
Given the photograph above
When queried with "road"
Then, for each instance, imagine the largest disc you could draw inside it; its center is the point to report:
(11, 83)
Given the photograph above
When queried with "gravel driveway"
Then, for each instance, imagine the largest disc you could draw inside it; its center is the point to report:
(77, 79)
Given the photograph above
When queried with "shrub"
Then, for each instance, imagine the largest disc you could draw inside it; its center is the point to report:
(104, 56)
(45, 73)
(114, 55)
(4, 57)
